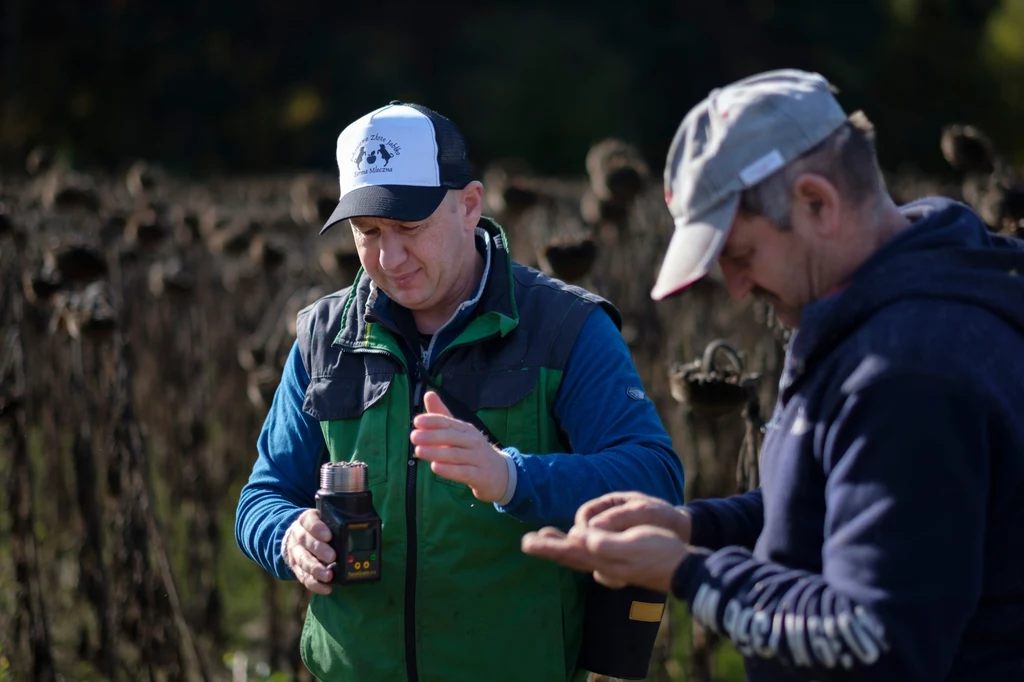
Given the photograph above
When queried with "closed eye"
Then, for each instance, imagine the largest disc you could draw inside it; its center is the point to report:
(412, 227)
(739, 260)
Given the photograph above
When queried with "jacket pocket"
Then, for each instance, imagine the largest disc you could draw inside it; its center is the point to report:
(345, 396)
(353, 414)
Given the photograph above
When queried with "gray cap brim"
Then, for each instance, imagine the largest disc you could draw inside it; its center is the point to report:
(694, 247)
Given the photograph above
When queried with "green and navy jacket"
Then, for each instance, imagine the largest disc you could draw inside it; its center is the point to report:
(542, 364)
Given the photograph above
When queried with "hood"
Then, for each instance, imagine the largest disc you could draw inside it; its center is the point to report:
(947, 253)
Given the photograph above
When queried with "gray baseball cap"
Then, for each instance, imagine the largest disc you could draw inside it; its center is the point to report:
(735, 138)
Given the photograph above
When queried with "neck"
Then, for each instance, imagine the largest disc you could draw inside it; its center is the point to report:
(873, 228)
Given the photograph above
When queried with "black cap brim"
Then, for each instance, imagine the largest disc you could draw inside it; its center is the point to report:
(395, 202)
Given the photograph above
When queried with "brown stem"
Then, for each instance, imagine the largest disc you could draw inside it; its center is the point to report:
(137, 465)
(21, 503)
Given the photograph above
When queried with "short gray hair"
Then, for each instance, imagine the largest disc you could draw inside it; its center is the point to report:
(847, 158)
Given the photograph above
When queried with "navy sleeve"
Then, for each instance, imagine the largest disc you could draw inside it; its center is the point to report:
(906, 497)
(617, 436)
(285, 476)
(732, 521)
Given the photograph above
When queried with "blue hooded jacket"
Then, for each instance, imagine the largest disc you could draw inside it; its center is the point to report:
(887, 539)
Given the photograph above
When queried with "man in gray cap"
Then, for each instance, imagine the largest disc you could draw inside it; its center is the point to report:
(884, 541)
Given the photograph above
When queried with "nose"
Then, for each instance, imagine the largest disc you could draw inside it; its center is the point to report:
(392, 251)
(737, 281)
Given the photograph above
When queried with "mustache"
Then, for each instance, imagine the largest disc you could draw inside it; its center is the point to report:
(764, 295)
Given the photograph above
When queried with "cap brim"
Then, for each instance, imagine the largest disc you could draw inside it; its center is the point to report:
(694, 248)
(396, 202)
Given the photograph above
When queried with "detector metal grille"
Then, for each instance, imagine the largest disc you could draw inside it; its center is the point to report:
(344, 477)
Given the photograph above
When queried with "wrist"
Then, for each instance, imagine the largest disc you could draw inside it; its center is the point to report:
(689, 574)
(511, 476)
(671, 567)
(284, 548)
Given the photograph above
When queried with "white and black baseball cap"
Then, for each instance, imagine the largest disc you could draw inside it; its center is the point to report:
(735, 138)
(398, 162)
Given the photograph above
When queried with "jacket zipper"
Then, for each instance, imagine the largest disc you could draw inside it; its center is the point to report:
(411, 533)
(415, 400)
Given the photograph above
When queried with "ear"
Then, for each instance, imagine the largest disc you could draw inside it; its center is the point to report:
(816, 205)
(472, 201)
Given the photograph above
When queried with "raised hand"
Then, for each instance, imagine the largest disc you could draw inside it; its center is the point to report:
(457, 451)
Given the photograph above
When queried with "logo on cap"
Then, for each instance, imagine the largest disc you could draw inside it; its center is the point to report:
(373, 153)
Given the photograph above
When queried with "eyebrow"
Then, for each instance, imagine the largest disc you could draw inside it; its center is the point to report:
(731, 249)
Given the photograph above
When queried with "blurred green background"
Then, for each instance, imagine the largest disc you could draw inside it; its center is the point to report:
(266, 85)
(246, 88)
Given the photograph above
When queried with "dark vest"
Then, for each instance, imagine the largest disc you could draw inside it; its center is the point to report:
(457, 598)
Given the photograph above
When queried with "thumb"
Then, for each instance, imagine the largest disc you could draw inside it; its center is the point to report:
(433, 404)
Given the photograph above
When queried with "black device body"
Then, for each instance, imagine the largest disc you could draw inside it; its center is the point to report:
(355, 535)
(619, 630)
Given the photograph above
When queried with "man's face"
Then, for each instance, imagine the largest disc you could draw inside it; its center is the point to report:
(759, 259)
(420, 265)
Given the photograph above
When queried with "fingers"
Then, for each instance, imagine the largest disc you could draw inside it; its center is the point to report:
(488, 483)
(451, 441)
(309, 521)
(442, 438)
(588, 510)
(310, 572)
(436, 421)
(644, 555)
(626, 510)
(622, 546)
(316, 537)
(550, 532)
(603, 543)
(552, 544)
(453, 455)
(447, 437)
(622, 517)
(433, 404)
(460, 473)
(308, 551)
(645, 513)
(575, 549)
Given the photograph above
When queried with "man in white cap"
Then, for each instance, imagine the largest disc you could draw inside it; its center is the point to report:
(516, 391)
(884, 542)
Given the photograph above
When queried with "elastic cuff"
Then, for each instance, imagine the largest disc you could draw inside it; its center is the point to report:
(513, 476)
(281, 553)
(286, 524)
(702, 528)
(689, 574)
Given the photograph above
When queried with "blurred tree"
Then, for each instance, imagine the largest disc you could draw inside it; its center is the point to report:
(266, 86)
(545, 98)
(1003, 53)
(929, 73)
